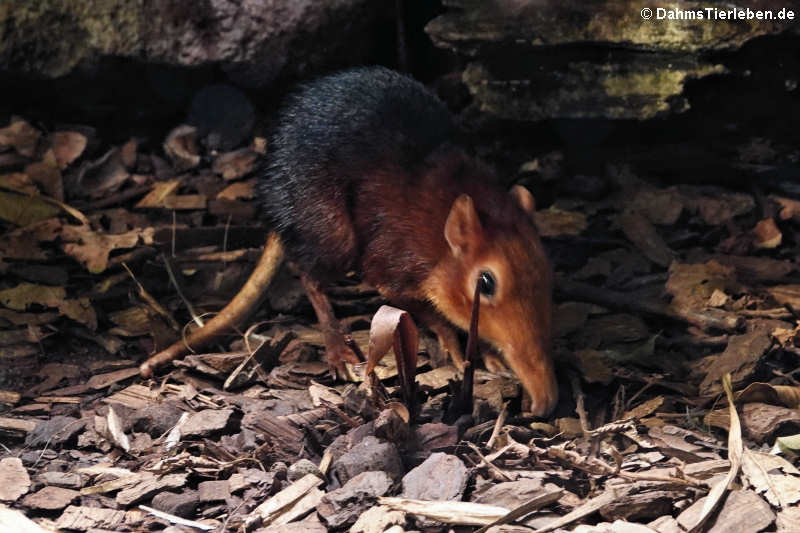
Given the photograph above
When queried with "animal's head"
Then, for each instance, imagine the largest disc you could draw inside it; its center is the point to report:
(516, 309)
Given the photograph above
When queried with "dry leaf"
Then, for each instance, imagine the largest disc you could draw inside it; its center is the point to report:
(128, 153)
(24, 295)
(19, 182)
(641, 232)
(554, 222)
(766, 234)
(92, 248)
(789, 208)
(242, 190)
(785, 395)
(47, 175)
(181, 147)
(23, 210)
(780, 489)
(735, 451)
(236, 164)
(22, 243)
(102, 175)
(67, 146)
(22, 136)
(392, 327)
(692, 286)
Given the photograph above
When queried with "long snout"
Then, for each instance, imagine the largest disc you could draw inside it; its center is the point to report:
(534, 368)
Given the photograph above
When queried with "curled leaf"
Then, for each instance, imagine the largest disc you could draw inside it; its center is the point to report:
(392, 327)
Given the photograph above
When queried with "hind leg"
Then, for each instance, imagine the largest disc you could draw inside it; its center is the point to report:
(336, 349)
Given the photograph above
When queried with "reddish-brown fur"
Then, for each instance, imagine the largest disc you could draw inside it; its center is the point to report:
(405, 253)
(362, 175)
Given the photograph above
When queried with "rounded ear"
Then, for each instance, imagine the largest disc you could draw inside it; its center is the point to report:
(462, 229)
(524, 199)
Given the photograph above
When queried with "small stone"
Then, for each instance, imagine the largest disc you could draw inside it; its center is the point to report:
(434, 436)
(54, 431)
(369, 454)
(440, 477)
(66, 480)
(301, 468)
(181, 504)
(377, 520)
(206, 422)
(214, 491)
(344, 505)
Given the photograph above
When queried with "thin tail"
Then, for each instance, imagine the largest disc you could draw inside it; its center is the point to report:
(236, 311)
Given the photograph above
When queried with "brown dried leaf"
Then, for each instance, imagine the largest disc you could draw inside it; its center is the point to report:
(775, 394)
(691, 286)
(24, 295)
(735, 451)
(131, 322)
(647, 408)
(236, 164)
(760, 470)
(80, 310)
(22, 243)
(160, 192)
(128, 153)
(756, 268)
(181, 147)
(104, 174)
(718, 209)
(23, 137)
(554, 222)
(162, 196)
(47, 175)
(740, 358)
(242, 190)
(67, 146)
(92, 248)
(786, 294)
(20, 182)
(660, 206)
(766, 234)
(641, 232)
(392, 327)
(790, 209)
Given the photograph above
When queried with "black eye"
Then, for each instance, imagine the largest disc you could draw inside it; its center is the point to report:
(487, 283)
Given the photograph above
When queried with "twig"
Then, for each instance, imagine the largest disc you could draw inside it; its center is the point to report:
(528, 507)
(498, 425)
(152, 302)
(174, 280)
(577, 393)
(491, 467)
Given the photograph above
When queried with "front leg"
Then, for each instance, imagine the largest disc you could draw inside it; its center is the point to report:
(336, 350)
(445, 332)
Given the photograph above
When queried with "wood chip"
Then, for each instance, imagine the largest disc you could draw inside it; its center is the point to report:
(271, 509)
(83, 518)
(14, 479)
(50, 498)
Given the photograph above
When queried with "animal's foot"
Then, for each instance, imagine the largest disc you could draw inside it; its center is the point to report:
(338, 353)
(448, 340)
